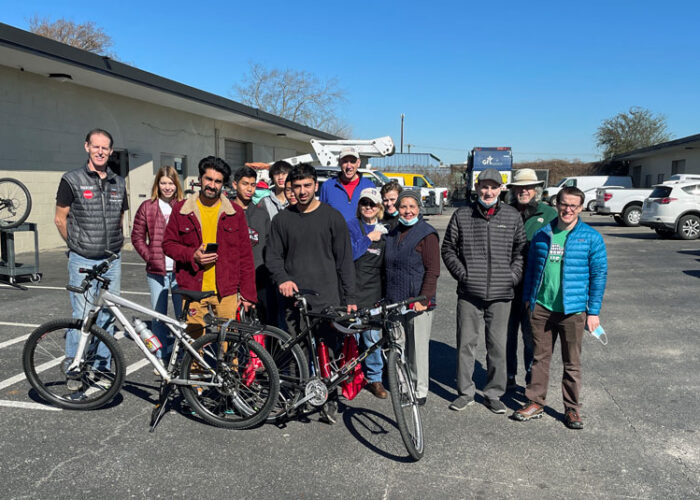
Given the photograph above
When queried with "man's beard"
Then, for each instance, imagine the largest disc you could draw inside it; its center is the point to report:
(211, 194)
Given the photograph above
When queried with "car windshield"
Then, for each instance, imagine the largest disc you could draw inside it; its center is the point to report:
(383, 177)
(660, 192)
(430, 181)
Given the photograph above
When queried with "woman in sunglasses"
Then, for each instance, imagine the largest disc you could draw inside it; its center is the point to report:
(368, 241)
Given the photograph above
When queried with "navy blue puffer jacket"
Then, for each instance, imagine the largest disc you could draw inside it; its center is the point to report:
(585, 268)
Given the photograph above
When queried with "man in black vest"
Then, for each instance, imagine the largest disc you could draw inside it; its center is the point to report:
(90, 204)
(483, 250)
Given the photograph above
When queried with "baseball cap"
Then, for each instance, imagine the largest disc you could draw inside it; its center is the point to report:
(349, 151)
(372, 194)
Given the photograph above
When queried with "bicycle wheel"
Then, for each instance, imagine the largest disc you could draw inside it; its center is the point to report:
(249, 382)
(405, 403)
(90, 386)
(15, 203)
(292, 366)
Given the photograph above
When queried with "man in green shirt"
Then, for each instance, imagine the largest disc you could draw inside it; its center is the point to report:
(535, 214)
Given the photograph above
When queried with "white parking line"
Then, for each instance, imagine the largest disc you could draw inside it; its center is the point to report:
(62, 288)
(28, 406)
(13, 341)
(9, 323)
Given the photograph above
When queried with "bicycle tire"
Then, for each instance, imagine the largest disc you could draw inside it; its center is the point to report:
(15, 203)
(43, 360)
(405, 404)
(292, 367)
(251, 382)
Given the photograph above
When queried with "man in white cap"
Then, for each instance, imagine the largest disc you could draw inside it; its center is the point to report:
(343, 192)
(535, 215)
(483, 250)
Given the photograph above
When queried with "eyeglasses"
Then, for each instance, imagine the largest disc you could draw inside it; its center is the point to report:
(367, 203)
(568, 207)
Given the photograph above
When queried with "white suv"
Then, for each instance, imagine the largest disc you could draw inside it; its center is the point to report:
(674, 208)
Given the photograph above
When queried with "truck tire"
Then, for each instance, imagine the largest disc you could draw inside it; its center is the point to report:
(689, 227)
(553, 200)
(631, 215)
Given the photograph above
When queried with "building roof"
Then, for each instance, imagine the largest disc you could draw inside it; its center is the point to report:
(37, 54)
(406, 160)
(641, 152)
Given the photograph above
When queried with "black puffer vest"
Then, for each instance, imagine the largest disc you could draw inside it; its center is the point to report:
(94, 219)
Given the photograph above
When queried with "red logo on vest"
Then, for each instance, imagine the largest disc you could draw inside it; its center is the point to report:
(87, 194)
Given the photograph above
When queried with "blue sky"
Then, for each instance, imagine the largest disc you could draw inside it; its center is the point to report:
(537, 76)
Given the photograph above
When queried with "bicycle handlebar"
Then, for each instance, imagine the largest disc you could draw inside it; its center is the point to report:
(340, 315)
(93, 273)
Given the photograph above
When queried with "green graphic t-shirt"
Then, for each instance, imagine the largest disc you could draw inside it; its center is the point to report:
(551, 295)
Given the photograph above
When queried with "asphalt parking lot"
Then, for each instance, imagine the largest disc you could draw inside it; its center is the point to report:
(640, 396)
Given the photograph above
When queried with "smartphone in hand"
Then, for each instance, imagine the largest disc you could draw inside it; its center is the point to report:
(211, 248)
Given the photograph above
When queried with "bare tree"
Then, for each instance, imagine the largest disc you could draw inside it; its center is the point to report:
(86, 36)
(637, 128)
(296, 95)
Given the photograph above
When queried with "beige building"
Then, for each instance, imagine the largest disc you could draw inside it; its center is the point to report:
(655, 164)
(51, 95)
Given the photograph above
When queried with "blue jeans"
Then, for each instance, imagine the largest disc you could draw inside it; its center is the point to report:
(374, 362)
(159, 287)
(105, 319)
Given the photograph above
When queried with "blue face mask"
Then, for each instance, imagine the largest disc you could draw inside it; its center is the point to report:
(408, 222)
(394, 213)
(487, 205)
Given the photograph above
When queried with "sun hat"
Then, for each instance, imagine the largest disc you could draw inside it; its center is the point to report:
(525, 177)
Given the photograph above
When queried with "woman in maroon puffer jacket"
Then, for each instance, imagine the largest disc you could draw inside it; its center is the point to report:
(147, 238)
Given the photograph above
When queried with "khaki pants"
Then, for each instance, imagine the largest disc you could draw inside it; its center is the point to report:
(223, 307)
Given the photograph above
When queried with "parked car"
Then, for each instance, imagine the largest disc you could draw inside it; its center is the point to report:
(673, 208)
(586, 183)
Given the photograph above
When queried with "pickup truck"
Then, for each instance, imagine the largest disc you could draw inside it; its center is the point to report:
(625, 205)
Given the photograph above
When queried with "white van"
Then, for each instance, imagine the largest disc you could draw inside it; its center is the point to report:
(587, 184)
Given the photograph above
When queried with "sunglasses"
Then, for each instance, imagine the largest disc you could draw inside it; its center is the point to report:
(367, 203)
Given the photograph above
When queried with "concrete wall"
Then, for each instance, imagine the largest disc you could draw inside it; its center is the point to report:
(661, 162)
(43, 129)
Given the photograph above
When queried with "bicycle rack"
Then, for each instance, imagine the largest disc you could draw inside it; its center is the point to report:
(9, 266)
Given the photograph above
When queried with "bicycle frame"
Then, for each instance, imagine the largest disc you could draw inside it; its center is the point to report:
(114, 302)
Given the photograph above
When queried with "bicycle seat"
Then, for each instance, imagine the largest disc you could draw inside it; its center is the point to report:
(193, 295)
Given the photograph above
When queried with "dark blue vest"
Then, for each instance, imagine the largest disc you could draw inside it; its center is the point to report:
(404, 266)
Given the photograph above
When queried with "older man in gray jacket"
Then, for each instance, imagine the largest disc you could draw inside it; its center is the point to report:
(483, 251)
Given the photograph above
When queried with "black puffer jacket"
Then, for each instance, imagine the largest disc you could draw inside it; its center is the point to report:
(485, 256)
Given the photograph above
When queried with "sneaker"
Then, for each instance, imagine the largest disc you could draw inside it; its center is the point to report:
(495, 405)
(529, 411)
(572, 419)
(329, 412)
(461, 403)
(100, 378)
(74, 382)
(511, 385)
(422, 401)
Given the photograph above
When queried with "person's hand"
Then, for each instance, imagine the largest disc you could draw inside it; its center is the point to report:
(247, 304)
(352, 308)
(204, 259)
(419, 307)
(592, 322)
(288, 288)
(375, 235)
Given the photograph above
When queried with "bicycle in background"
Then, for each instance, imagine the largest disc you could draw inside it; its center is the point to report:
(15, 203)
(209, 373)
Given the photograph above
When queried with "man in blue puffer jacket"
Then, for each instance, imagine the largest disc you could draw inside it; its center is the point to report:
(564, 284)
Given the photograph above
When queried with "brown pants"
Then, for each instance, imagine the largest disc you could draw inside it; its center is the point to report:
(546, 326)
(223, 307)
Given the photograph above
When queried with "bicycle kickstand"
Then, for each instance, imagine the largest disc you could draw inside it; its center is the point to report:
(162, 406)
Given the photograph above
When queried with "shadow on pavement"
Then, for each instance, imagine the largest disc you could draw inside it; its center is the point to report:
(693, 272)
(370, 428)
(636, 236)
(690, 252)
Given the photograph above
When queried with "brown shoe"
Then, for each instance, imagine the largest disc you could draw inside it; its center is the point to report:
(377, 389)
(529, 411)
(572, 419)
